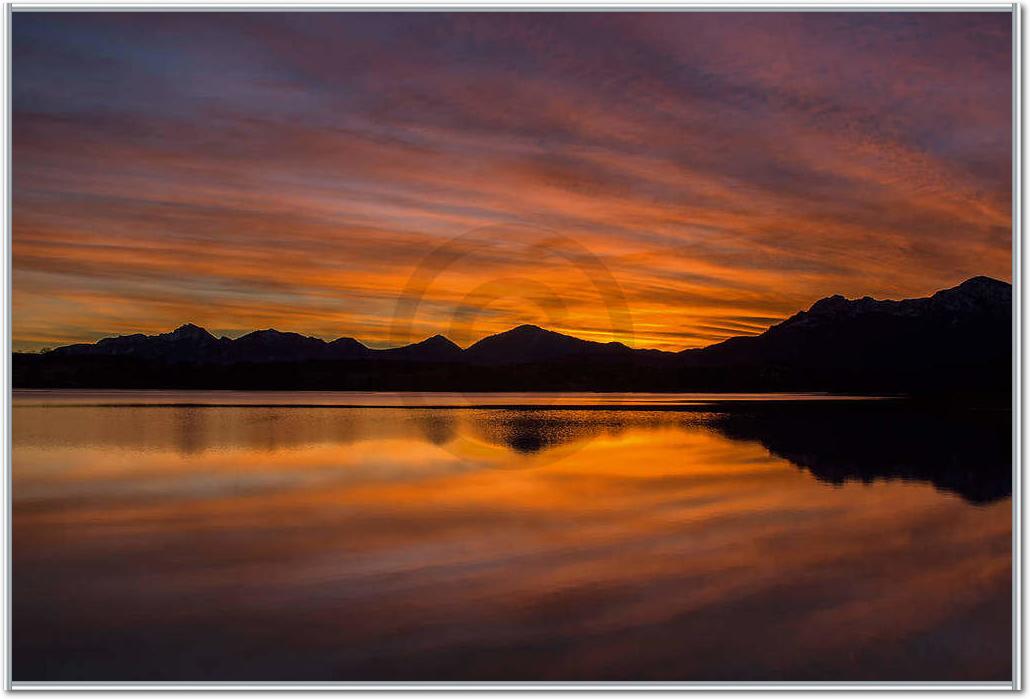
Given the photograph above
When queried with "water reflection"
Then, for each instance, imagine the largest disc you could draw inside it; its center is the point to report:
(967, 453)
(319, 543)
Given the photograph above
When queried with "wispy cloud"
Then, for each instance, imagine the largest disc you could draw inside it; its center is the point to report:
(293, 170)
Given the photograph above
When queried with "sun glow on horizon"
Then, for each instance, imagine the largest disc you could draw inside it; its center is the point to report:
(669, 180)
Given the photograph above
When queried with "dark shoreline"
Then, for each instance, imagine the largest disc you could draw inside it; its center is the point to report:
(988, 403)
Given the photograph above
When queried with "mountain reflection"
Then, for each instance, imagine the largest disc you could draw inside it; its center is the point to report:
(967, 453)
(528, 432)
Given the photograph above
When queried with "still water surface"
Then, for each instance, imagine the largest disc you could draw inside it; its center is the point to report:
(156, 538)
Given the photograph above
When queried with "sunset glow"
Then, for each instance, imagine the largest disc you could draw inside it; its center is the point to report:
(253, 170)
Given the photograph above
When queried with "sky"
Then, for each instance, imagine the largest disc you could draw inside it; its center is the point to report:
(663, 179)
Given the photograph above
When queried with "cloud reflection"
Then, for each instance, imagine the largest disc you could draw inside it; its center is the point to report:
(307, 543)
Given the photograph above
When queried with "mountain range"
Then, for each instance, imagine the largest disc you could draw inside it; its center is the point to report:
(956, 339)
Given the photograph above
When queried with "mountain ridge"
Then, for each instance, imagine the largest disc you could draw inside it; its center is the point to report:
(960, 335)
(836, 304)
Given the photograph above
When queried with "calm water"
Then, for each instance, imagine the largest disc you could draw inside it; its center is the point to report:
(168, 536)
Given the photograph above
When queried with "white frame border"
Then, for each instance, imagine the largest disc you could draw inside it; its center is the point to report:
(1019, 419)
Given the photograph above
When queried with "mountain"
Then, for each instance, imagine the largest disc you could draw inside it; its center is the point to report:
(187, 343)
(274, 346)
(528, 344)
(433, 349)
(968, 327)
(346, 348)
(957, 340)
(192, 344)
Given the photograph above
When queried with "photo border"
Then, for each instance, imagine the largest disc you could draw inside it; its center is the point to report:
(1018, 423)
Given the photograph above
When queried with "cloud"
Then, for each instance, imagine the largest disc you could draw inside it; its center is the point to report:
(297, 168)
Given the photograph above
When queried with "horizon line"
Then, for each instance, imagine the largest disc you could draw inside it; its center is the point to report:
(516, 327)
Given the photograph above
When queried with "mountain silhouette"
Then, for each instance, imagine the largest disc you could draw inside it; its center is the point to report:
(961, 323)
(274, 346)
(529, 343)
(958, 335)
(957, 340)
(187, 343)
(967, 452)
(433, 349)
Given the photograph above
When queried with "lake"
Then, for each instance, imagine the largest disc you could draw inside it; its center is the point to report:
(314, 536)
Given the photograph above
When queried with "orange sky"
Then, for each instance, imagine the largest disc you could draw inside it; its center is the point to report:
(668, 180)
